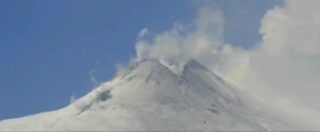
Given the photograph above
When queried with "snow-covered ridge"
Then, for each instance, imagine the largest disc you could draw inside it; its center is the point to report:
(152, 96)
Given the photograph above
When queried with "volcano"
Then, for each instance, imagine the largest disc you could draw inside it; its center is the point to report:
(151, 95)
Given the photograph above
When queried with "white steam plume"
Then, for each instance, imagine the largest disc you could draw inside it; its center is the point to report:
(199, 40)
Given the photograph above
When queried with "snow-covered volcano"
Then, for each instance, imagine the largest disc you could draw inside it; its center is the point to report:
(151, 96)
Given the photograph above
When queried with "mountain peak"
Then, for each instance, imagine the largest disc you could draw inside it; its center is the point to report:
(151, 96)
(177, 68)
(194, 65)
(148, 69)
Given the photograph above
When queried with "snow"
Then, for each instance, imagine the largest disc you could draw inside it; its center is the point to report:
(152, 96)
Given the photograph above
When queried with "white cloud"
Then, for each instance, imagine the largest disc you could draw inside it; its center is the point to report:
(143, 32)
(287, 60)
(294, 29)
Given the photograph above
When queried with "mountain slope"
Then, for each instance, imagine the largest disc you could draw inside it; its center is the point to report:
(150, 96)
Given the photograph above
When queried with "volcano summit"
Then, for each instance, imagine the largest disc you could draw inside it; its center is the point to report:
(151, 96)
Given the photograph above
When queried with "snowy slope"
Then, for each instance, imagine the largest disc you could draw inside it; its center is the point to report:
(151, 96)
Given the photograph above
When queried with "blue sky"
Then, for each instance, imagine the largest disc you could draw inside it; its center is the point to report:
(49, 50)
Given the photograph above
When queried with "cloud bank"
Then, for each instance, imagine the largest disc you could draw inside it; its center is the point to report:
(288, 58)
(284, 67)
